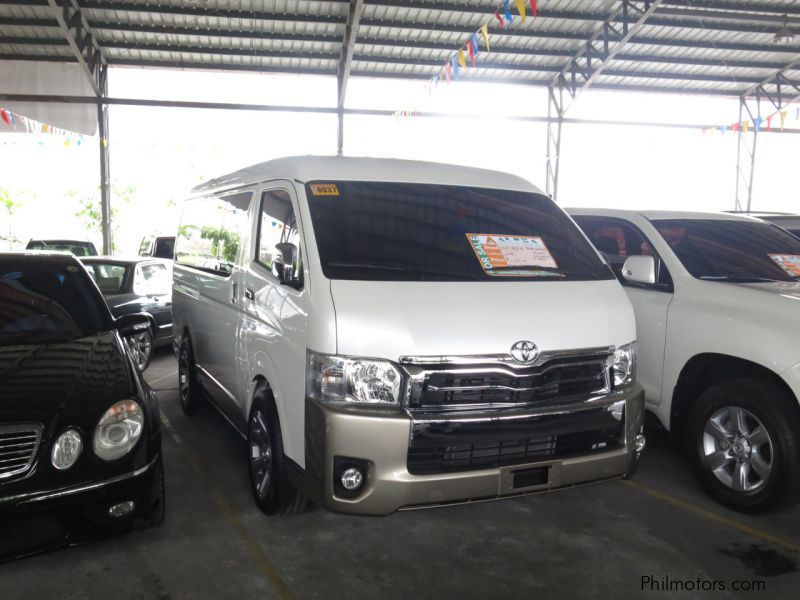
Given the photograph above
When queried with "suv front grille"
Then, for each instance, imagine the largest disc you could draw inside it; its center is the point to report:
(430, 460)
(18, 447)
(454, 387)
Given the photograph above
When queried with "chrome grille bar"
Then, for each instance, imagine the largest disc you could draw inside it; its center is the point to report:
(19, 444)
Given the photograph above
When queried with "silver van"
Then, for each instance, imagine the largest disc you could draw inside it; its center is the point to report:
(389, 334)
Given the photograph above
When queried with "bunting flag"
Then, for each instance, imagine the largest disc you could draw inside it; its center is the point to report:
(5, 117)
(735, 127)
(507, 10)
(447, 71)
(471, 52)
(521, 9)
(757, 123)
(474, 41)
(485, 35)
(534, 8)
(769, 122)
(783, 118)
(723, 128)
(462, 61)
(455, 67)
(499, 18)
(745, 126)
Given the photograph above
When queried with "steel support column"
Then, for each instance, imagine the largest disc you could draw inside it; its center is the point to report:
(105, 164)
(555, 120)
(345, 62)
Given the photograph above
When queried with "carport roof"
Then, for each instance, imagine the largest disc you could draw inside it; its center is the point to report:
(691, 46)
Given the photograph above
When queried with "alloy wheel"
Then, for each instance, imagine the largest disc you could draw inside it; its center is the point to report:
(737, 449)
(141, 346)
(260, 454)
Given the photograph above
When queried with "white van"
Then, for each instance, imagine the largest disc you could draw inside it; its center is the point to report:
(389, 334)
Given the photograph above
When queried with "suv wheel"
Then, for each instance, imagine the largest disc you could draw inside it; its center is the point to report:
(188, 388)
(271, 490)
(743, 438)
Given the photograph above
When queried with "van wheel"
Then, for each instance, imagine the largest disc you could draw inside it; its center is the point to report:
(189, 390)
(743, 438)
(271, 490)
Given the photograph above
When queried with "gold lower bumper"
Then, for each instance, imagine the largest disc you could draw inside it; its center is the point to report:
(382, 438)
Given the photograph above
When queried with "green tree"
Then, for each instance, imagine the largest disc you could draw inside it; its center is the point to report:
(11, 205)
(90, 211)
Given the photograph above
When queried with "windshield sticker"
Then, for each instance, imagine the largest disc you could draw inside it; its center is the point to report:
(499, 254)
(324, 189)
(788, 262)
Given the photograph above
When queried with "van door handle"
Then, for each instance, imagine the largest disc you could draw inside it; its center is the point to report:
(234, 291)
(249, 294)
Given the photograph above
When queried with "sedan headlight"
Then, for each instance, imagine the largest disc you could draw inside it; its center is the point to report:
(118, 430)
(66, 450)
(336, 379)
(624, 366)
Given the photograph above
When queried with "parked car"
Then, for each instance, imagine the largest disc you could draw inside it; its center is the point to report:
(80, 441)
(76, 247)
(158, 246)
(717, 313)
(137, 285)
(788, 221)
(390, 333)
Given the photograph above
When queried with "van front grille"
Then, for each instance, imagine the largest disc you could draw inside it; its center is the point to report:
(18, 446)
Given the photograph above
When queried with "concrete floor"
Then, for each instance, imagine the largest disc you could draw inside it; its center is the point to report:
(592, 542)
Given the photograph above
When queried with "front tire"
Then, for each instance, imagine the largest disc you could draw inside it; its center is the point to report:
(188, 388)
(267, 464)
(743, 439)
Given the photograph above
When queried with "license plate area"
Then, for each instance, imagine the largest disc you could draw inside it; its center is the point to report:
(531, 477)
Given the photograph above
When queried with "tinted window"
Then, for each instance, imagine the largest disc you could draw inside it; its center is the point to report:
(277, 225)
(733, 250)
(76, 248)
(47, 303)
(211, 232)
(151, 280)
(164, 247)
(405, 231)
(108, 277)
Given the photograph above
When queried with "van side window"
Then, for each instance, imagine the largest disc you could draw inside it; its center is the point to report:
(211, 232)
(277, 224)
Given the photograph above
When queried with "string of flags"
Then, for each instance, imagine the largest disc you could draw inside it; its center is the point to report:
(18, 122)
(773, 122)
(471, 48)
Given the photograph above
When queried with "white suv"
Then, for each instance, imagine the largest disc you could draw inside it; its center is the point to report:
(717, 303)
(389, 333)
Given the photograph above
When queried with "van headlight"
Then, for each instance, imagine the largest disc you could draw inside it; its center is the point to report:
(624, 366)
(118, 430)
(336, 379)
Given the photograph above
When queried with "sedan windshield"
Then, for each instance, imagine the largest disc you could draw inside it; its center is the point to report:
(728, 250)
(42, 303)
(426, 232)
(76, 248)
(109, 277)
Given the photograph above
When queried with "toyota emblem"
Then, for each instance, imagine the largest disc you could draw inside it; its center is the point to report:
(524, 352)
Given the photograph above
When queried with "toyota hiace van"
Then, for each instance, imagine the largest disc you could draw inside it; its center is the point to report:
(389, 334)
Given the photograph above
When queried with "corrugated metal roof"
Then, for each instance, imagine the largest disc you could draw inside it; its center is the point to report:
(704, 46)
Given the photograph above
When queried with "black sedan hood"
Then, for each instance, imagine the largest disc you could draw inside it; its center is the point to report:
(73, 380)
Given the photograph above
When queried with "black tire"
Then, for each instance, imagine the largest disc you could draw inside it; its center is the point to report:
(754, 472)
(266, 462)
(159, 510)
(189, 392)
(141, 345)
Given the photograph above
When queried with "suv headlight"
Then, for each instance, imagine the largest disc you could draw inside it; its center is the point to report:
(337, 379)
(118, 430)
(623, 369)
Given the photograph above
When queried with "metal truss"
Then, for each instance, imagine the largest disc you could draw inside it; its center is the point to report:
(81, 41)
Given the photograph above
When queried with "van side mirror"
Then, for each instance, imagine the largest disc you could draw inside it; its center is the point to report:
(640, 269)
(129, 325)
(289, 270)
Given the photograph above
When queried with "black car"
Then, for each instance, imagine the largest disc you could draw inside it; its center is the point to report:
(76, 247)
(137, 285)
(80, 435)
(162, 246)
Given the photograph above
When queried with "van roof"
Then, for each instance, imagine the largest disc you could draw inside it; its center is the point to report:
(340, 168)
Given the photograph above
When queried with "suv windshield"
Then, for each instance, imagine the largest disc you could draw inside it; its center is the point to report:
(76, 248)
(427, 232)
(728, 250)
(42, 303)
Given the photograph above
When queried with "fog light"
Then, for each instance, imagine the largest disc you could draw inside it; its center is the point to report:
(66, 449)
(639, 443)
(352, 479)
(122, 509)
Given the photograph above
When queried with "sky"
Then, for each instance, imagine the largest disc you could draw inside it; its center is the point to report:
(159, 154)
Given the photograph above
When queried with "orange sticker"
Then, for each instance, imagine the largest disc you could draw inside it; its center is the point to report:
(516, 252)
(324, 189)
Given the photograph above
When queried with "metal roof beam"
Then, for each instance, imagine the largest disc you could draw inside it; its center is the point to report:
(747, 7)
(781, 83)
(81, 41)
(348, 44)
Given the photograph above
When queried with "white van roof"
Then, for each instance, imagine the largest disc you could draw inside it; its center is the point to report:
(340, 168)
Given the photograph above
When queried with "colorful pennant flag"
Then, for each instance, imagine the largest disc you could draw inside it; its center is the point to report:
(5, 117)
(471, 52)
(783, 118)
(485, 34)
(746, 126)
(769, 122)
(534, 8)
(499, 18)
(507, 9)
(462, 61)
(447, 69)
(474, 41)
(455, 67)
(521, 8)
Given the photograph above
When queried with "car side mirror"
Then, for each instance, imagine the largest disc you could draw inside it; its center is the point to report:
(640, 269)
(289, 270)
(129, 325)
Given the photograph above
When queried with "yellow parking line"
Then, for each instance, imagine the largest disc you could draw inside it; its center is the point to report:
(162, 378)
(257, 553)
(713, 516)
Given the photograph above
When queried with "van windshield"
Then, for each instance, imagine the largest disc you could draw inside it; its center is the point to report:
(428, 232)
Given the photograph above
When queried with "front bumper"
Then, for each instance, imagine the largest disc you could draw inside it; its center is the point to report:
(382, 440)
(40, 520)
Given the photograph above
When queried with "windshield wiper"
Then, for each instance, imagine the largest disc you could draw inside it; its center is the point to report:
(739, 279)
(400, 268)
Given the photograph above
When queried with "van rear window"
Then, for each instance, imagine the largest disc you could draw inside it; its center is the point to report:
(428, 232)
